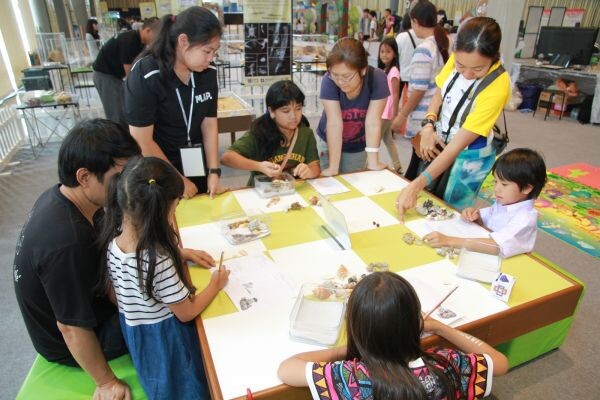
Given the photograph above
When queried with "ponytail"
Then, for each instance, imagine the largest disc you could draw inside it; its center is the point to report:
(199, 25)
(442, 42)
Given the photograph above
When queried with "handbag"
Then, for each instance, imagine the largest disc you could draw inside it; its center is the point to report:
(500, 139)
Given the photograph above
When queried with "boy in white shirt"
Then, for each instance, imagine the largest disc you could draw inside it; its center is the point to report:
(520, 176)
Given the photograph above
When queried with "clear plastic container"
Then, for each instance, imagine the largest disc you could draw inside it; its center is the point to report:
(479, 261)
(241, 228)
(318, 314)
(270, 187)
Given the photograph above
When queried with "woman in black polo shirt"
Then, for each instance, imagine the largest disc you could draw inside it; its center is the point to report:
(171, 98)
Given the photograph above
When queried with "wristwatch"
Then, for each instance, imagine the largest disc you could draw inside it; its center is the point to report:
(427, 121)
(215, 171)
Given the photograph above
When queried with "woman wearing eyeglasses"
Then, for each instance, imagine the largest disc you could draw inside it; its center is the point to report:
(353, 96)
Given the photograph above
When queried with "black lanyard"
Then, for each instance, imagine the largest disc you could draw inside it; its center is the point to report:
(454, 115)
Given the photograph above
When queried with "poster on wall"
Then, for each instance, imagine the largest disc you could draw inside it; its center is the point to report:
(180, 5)
(573, 16)
(147, 9)
(267, 41)
(163, 7)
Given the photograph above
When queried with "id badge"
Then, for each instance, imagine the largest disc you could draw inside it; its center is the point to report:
(192, 161)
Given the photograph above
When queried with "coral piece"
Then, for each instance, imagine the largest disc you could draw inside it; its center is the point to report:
(379, 189)
(378, 266)
(295, 206)
(322, 293)
(409, 238)
(273, 201)
(342, 272)
(314, 201)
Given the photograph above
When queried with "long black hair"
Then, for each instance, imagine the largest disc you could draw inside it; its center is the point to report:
(264, 129)
(391, 43)
(480, 34)
(426, 15)
(145, 192)
(384, 326)
(89, 28)
(198, 23)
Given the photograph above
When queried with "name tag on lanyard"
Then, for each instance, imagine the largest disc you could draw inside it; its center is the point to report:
(192, 156)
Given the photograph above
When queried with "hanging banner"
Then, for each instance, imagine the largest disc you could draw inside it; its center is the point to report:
(573, 16)
(147, 10)
(545, 17)
(267, 41)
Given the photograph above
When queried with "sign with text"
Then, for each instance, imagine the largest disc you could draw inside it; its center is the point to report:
(267, 41)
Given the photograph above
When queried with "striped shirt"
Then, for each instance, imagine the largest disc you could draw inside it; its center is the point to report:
(138, 307)
(426, 63)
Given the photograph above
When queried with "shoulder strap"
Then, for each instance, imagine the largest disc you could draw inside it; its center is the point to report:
(289, 152)
(412, 40)
(491, 77)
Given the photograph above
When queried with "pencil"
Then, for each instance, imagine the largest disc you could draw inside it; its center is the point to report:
(440, 303)
(221, 261)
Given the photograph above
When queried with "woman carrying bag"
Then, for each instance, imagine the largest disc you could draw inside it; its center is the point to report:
(454, 146)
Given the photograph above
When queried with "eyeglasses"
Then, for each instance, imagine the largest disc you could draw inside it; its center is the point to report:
(341, 78)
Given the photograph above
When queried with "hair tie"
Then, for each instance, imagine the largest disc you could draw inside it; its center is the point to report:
(173, 18)
(151, 181)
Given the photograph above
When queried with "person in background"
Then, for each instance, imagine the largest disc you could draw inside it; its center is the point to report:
(383, 358)
(171, 98)
(455, 147)
(113, 64)
(520, 176)
(137, 23)
(143, 269)
(269, 141)
(56, 268)
(92, 38)
(428, 59)
(388, 62)
(353, 96)
(364, 31)
(373, 26)
(407, 42)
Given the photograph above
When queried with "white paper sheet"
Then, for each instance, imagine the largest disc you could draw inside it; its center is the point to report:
(250, 200)
(471, 300)
(375, 182)
(360, 214)
(315, 262)
(255, 282)
(208, 237)
(454, 226)
(328, 186)
(247, 348)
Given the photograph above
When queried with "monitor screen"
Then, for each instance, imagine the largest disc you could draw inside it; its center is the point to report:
(578, 43)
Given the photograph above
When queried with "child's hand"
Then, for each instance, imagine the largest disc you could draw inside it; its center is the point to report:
(302, 171)
(199, 257)
(470, 214)
(270, 169)
(437, 239)
(220, 277)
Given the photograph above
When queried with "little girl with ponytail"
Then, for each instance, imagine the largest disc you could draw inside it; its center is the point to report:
(144, 270)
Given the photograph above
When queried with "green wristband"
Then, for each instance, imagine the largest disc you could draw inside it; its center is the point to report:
(427, 175)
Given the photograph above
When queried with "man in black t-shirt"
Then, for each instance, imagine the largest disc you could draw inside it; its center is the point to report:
(56, 270)
(114, 63)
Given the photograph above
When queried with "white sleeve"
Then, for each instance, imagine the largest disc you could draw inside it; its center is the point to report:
(518, 236)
